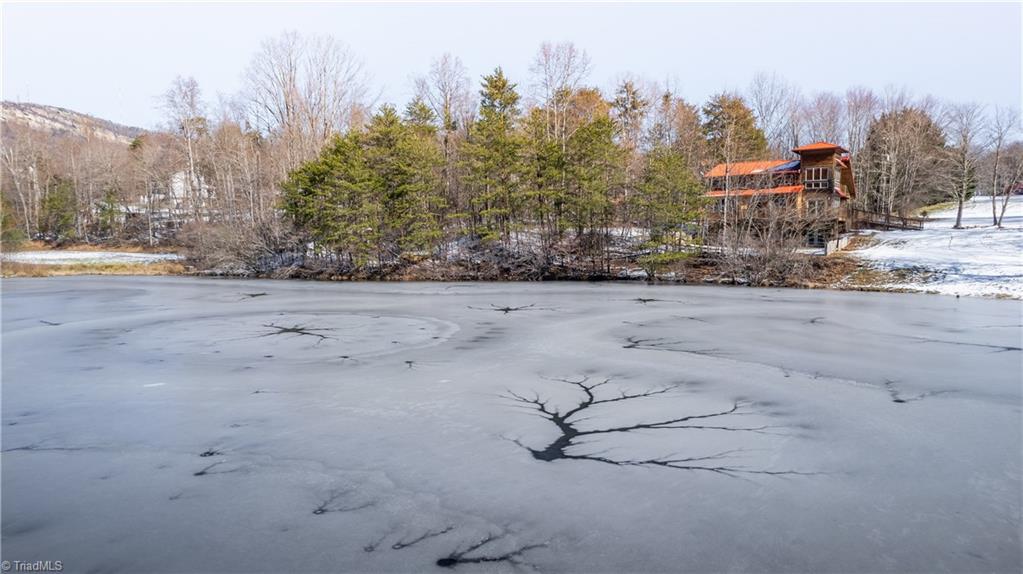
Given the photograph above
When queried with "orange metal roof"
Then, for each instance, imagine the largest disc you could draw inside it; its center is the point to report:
(749, 192)
(819, 146)
(744, 167)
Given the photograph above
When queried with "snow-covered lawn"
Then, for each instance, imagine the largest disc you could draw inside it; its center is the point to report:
(78, 257)
(978, 260)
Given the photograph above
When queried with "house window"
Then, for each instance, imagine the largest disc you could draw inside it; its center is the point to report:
(816, 238)
(817, 178)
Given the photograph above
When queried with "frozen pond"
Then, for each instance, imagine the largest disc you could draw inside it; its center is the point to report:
(186, 425)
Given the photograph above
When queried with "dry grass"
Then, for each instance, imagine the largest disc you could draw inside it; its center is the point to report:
(859, 242)
(930, 209)
(843, 270)
(865, 277)
(846, 272)
(14, 269)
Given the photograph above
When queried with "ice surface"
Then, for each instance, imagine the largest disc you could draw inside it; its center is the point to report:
(977, 260)
(190, 425)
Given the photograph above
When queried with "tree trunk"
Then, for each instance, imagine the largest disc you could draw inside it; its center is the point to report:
(994, 187)
(1005, 205)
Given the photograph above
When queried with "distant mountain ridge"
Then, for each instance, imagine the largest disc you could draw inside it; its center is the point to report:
(64, 122)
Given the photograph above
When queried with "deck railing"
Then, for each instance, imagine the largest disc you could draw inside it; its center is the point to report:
(875, 220)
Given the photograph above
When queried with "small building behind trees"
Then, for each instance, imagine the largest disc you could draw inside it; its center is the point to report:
(808, 195)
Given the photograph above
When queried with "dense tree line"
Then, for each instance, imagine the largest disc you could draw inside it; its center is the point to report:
(569, 175)
(303, 160)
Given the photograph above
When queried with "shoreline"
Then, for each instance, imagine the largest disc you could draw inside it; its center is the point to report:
(176, 270)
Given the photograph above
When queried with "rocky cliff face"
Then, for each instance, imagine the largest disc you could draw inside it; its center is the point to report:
(63, 122)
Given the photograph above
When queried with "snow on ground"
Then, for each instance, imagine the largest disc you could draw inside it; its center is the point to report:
(190, 425)
(73, 257)
(978, 260)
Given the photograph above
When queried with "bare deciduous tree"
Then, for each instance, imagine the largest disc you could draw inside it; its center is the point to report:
(825, 118)
(445, 89)
(186, 113)
(303, 90)
(1004, 122)
(900, 159)
(1012, 179)
(963, 124)
(861, 108)
(558, 71)
(776, 104)
(22, 151)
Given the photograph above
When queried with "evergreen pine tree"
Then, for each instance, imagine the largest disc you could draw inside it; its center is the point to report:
(669, 204)
(331, 199)
(595, 166)
(731, 130)
(493, 159)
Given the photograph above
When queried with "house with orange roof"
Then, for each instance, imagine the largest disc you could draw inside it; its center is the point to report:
(816, 186)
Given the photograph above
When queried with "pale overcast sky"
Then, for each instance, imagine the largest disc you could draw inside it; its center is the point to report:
(114, 60)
